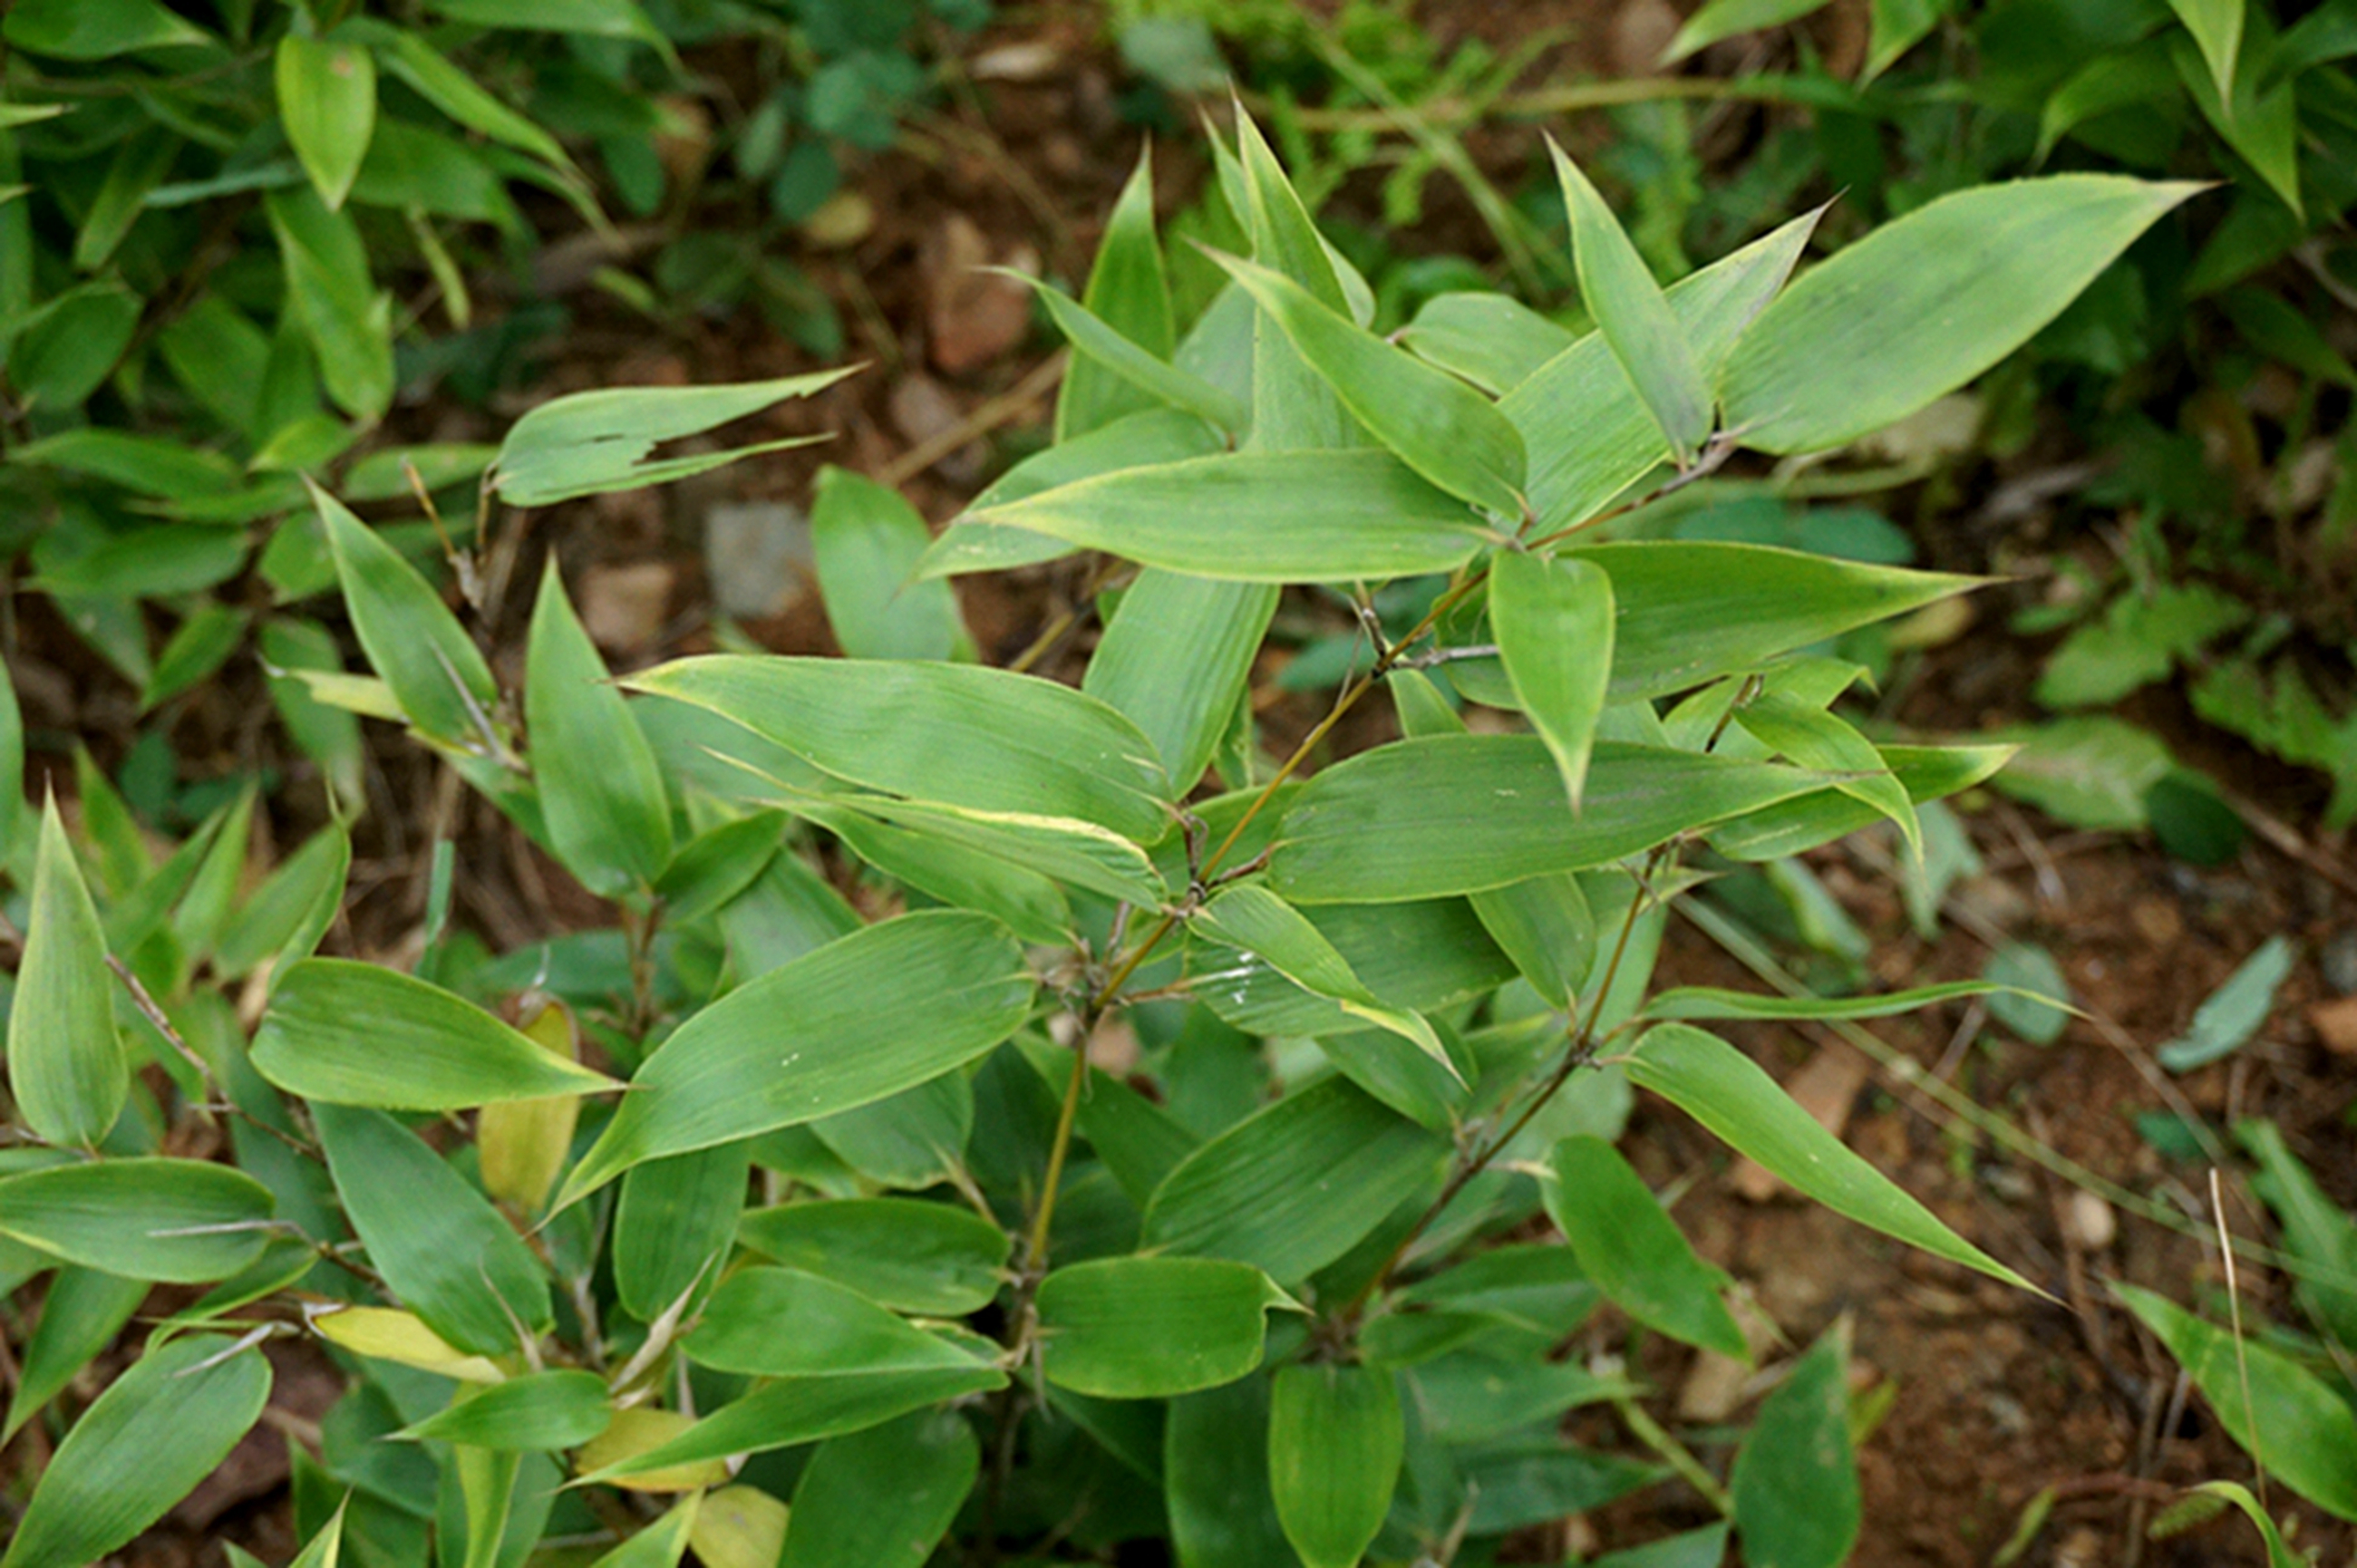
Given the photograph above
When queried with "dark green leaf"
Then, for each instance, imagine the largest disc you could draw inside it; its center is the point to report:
(1335, 1440)
(182, 1221)
(1795, 1485)
(1553, 618)
(66, 1063)
(673, 1223)
(912, 1256)
(1635, 1251)
(411, 638)
(1153, 1327)
(600, 791)
(883, 1497)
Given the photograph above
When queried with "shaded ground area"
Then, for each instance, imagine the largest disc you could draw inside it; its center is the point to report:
(1997, 1395)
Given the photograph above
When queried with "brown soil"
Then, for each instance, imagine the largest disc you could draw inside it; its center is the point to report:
(1998, 1394)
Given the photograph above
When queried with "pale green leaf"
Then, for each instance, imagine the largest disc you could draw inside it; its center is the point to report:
(866, 542)
(1176, 658)
(326, 101)
(142, 1446)
(803, 1410)
(1553, 618)
(600, 792)
(181, 1221)
(2230, 1015)
(1729, 18)
(2217, 29)
(1703, 1004)
(1493, 340)
(1100, 344)
(1797, 1500)
(67, 1067)
(1259, 922)
(1260, 516)
(956, 734)
(1926, 303)
(1127, 290)
(540, 1411)
(1724, 1090)
(347, 1032)
(1633, 1250)
(1810, 736)
(410, 636)
(589, 442)
(1636, 320)
(861, 1019)
(345, 317)
(777, 1323)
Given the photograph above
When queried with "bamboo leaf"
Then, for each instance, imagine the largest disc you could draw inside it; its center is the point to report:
(1127, 290)
(1923, 305)
(520, 1145)
(1100, 344)
(66, 1063)
(589, 442)
(1318, 516)
(1493, 340)
(1062, 848)
(2217, 29)
(1730, 18)
(326, 101)
(673, 1223)
(776, 1322)
(859, 1019)
(335, 301)
(1425, 818)
(804, 1410)
(866, 543)
(1810, 736)
(1724, 1090)
(403, 1338)
(437, 1242)
(142, 1446)
(1258, 921)
(1296, 1186)
(1797, 1503)
(181, 1221)
(2290, 1421)
(956, 734)
(1553, 618)
(1153, 1327)
(1633, 1250)
(1214, 1464)
(1293, 408)
(738, 1527)
(347, 1032)
(1636, 320)
(409, 635)
(1926, 772)
(600, 792)
(1176, 657)
(1432, 422)
(663, 1543)
(911, 1256)
(81, 1315)
(1703, 1004)
(542, 1411)
(1336, 1437)
(883, 1497)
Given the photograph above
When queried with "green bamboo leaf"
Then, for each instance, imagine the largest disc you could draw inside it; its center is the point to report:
(1176, 658)
(81, 1315)
(2217, 29)
(142, 1446)
(1432, 422)
(1153, 1327)
(1924, 304)
(1894, 27)
(345, 317)
(1724, 1090)
(326, 101)
(673, 1223)
(1062, 848)
(1132, 440)
(1128, 291)
(600, 791)
(405, 55)
(97, 30)
(437, 1241)
(1795, 1486)
(2284, 1415)
(2318, 1232)
(1099, 343)
(182, 1221)
(1926, 772)
(541, 1410)
(411, 638)
(348, 1033)
(901, 1253)
(915, 1140)
(956, 734)
(2261, 124)
(777, 1323)
(1336, 1437)
(11, 771)
(860, 1019)
(1809, 736)
(663, 1543)
(1703, 1004)
(1633, 1250)
(66, 1063)
(2230, 1015)
(1691, 613)
(1425, 818)
(2279, 1554)
(866, 542)
(883, 1497)
(1260, 516)
(1730, 18)
(1293, 407)
(1553, 618)
(286, 915)
(1296, 1186)
(1636, 320)
(1259, 922)
(595, 19)
(1215, 1470)
(962, 863)
(1493, 340)
(804, 1410)
(591, 442)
